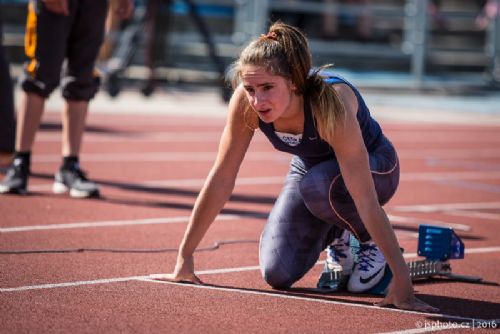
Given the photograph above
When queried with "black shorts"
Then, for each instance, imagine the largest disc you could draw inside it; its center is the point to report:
(53, 38)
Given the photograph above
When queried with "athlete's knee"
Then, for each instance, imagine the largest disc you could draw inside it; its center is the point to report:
(276, 277)
(274, 271)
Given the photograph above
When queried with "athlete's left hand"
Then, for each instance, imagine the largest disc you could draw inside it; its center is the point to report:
(401, 295)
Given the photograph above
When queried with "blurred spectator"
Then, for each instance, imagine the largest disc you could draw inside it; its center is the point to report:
(157, 27)
(490, 9)
(59, 30)
(438, 20)
(123, 39)
(113, 25)
(357, 18)
(7, 115)
(295, 18)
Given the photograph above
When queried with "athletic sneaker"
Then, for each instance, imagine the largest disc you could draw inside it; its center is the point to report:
(16, 178)
(339, 254)
(369, 268)
(74, 180)
(338, 264)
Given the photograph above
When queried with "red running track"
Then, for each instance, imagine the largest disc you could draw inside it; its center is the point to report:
(151, 168)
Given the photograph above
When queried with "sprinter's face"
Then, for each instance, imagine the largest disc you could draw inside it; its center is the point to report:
(269, 95)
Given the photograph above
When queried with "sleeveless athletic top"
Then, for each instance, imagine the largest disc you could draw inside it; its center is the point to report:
(312, 148)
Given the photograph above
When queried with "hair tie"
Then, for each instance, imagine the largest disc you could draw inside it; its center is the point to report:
(312, 83)
(270, 35)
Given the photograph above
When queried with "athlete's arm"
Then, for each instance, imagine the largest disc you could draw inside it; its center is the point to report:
(217, 188)
(353, 160)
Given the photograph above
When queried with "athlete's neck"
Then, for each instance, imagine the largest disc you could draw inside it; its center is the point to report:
(292, 120)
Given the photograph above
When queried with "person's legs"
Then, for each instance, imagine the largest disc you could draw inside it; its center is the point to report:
(70, 177)
(327, 197)
(28, 121)
(45, 46)
(293, 238)
(73, 125)
(7, 114)
(80, 86)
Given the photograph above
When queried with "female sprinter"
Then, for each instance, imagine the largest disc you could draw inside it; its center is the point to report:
(343, 169)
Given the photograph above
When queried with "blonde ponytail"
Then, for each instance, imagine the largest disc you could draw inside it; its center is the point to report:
(326, 104)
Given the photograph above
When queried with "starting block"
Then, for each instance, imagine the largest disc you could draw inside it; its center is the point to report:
(436, 244)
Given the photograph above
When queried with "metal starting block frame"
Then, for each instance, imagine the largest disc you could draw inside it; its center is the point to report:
(437, 244)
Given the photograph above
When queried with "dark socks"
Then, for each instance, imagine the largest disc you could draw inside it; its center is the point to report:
(69, 162)
(24, 157)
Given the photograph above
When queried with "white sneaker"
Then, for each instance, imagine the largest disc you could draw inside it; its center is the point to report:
(369, 269)
(339, 254)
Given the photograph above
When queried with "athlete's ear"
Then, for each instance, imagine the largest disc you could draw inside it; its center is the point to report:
(295, 90)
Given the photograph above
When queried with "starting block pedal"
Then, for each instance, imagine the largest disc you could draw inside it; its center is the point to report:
(437, 244)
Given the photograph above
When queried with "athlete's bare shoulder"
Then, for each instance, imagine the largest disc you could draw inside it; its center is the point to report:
(347, 96)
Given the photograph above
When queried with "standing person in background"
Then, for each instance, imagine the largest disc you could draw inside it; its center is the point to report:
(7, 113)
(59, 30)
(158, 20)
(358, 18)
(342, 171)
(490, 9)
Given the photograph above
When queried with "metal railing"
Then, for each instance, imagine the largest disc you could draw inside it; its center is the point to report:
(251, 17)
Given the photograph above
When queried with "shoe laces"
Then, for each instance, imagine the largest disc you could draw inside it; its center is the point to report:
(79, 173)
(338, 251)
(366, 255)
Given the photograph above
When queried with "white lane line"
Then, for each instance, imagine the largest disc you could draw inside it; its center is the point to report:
(148, 221)
(427, 208)
(409, 177)
(482, 250)
(284, 295)
(481, 215)
(253, 181)
(160, 156)
(256, 156)
(197, 136)
(201, 272)
(232, 290)
(437, 176)
(418, 221)
(72, 284)
(195, 182)
(182, 219)
(139, 137)
(233, 270)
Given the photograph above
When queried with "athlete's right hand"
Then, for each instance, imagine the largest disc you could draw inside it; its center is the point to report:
(183, 272)
(57, 6)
